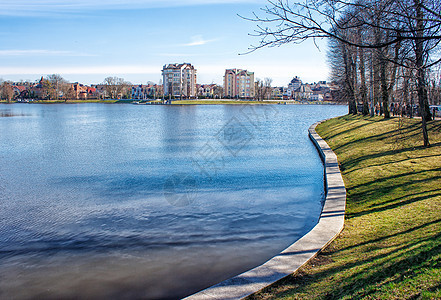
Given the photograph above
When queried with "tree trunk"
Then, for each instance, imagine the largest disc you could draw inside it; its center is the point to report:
(421, 80)
(363, 89)
(405, 93)
(354, 79)
(346, 63)
(350, 78)
(384, 85)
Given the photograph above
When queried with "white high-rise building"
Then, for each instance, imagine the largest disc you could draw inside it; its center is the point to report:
(179, 80)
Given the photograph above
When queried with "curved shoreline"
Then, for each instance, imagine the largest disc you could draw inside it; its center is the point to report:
(330, 224)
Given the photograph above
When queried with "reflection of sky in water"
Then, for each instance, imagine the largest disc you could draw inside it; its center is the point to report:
(97, 196)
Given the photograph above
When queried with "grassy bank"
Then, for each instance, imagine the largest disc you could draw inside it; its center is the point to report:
(209, 101)
(391, 245)
(232, 101)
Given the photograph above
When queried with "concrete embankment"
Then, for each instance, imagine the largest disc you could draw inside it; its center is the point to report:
(330, 224)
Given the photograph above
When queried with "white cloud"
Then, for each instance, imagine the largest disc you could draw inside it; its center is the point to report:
(177, 54)
(39, 52)
(117, 69)
(198, 40)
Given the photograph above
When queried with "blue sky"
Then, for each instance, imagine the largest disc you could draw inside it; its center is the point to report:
(86, 41)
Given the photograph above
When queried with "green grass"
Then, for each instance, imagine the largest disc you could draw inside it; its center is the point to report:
(232, 101)
(199, 102)
(390, 247)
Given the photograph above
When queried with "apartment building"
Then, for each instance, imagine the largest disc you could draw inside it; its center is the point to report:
(293, 88)
(277, 93)
(179, 80)
(149, 91)
(239, 83)
(206, 90)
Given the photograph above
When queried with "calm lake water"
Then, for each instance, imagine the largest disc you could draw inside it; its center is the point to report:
(156, 202)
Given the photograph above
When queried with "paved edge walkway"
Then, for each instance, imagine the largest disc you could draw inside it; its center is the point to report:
(330, 224)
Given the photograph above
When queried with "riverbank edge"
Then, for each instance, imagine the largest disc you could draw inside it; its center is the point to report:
(290, 260)
(182, 102)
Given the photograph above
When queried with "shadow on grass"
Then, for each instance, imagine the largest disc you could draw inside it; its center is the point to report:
(392, 162)
(351, 163)
(379, 239)
(381, 182)
(348, 118)
(391, 134)
(415, 260)
(368, 275)
(397, 203)
(432, 289)
(435, 125)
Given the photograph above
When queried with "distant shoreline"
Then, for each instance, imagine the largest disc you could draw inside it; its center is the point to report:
(180, 102)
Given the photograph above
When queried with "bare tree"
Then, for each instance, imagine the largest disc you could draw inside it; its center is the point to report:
(57, 85)
(160, 90)
(116, 87)
(296, 21)
(7, 91)
(435, 86)
(64, 90)
(1, 88)
(267, 90)
(343, 60)
(47, 91)
(259, 89)
(363, 87)
(390, 23)
(70, 93)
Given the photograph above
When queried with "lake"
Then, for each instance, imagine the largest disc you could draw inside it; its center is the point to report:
(155, 202)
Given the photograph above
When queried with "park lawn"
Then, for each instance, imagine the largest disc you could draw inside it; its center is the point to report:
(390, 247)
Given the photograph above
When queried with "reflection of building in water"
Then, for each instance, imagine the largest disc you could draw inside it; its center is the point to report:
(179, 80)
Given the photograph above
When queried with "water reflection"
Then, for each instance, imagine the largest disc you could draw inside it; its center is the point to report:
(10, 113)
(178, 123)
(106, 201)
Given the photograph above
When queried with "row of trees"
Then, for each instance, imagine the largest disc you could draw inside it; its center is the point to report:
(116, 87)
(377, 49)
(55, 87)
(263, 89)
(52, 87)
